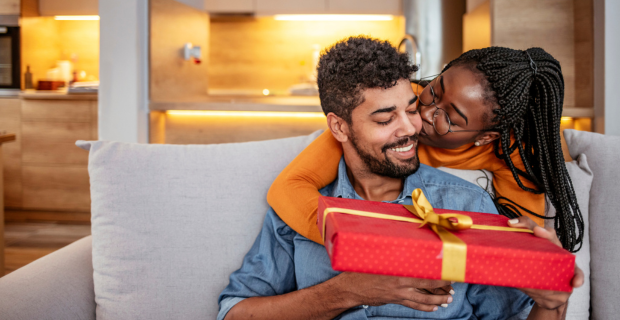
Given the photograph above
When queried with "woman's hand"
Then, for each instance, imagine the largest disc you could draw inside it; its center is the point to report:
(545, 299)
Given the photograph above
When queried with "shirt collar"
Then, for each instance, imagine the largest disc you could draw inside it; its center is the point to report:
(344, 189)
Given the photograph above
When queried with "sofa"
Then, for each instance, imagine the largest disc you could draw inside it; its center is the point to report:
(171, 222)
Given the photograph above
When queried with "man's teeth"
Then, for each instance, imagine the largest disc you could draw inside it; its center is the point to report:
(405, 149)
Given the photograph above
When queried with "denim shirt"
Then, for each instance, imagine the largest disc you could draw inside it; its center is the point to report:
(282, 261)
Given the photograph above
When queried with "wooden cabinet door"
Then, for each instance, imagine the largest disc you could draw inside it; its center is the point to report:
(68, 7)
(364, 7)
(10, 121)
(54, 170)
(268, 7)
(10, 7)
(229, 6)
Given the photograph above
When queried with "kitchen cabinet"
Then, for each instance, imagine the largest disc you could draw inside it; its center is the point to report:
(10, 121)
(229, 6)
(43, 169)
(267, 7)
(270, 7)
(68, 7)
(10, 7)
(54, 170)
(393, 7)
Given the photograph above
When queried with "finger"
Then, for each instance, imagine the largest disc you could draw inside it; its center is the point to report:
(429, 299)
(425, 283)
(443, 290)
(522, 222)
(578, 278)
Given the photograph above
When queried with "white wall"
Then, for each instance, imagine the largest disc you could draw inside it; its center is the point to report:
(123, 70)
(606, 67)
(612, 68)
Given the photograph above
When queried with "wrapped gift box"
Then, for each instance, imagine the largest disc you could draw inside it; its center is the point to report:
(401, 248)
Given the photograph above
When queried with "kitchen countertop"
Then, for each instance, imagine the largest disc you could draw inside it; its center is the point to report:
(56, 95)
(244, 103)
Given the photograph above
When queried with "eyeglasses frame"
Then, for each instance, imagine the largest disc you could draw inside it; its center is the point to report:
(436, 113)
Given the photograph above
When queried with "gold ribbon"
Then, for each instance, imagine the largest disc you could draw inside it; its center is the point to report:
(454, 250)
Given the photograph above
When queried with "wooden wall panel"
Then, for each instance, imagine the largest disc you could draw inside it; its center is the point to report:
(172, 24)
(252, 54)
(584, 53)
(10, 121)
(547, 24)
(57, 110)
(56, 188)
(181, 129)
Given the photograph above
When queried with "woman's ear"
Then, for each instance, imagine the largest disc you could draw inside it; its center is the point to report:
(486, 137)
(338, 127)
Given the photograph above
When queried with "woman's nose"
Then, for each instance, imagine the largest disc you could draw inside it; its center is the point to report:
(427, 112)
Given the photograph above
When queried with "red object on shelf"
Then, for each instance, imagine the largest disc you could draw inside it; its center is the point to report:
(49, 85)
(500, 258)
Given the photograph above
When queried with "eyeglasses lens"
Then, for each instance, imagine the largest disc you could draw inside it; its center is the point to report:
(426, 95)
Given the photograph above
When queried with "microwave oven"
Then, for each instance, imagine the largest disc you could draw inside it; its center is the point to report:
(10, 68)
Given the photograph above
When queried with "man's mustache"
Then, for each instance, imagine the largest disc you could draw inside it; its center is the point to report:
(401, 142)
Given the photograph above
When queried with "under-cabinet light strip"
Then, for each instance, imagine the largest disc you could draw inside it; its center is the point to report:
(246, 114)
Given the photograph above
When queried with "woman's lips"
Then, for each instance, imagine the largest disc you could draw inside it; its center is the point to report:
(423, 131)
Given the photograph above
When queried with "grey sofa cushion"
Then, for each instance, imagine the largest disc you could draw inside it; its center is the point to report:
(581, 176)
(170, 222)
(603, 153)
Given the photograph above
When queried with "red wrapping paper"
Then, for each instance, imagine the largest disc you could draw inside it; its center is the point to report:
(500, 258)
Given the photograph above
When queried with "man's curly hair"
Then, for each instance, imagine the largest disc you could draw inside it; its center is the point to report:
(354, 64)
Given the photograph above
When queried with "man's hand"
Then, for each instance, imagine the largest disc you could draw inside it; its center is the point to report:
(377, 290)
(547, 301)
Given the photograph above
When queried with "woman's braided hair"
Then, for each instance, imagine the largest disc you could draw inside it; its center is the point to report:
(529, 88)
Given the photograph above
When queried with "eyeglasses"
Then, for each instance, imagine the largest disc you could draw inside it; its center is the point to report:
(441, 120)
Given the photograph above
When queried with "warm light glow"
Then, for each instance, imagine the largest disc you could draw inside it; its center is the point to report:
(76, 17)
(334, 17)
(566, 119)
(266, 92)
(246, 114)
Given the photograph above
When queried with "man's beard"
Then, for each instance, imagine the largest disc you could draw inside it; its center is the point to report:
(386, 167)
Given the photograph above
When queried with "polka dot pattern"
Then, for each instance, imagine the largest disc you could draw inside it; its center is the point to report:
(500, 258)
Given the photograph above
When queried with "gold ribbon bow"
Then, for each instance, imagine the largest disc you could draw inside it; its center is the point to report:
(454, 252)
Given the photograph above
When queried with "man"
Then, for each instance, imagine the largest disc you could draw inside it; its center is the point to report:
(371, 109)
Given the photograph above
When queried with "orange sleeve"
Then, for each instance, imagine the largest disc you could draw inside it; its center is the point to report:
(314, 168)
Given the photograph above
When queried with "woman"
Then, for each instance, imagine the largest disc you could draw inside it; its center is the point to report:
(495, 108)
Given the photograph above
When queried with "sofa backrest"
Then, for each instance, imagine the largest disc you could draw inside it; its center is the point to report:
(171, 222)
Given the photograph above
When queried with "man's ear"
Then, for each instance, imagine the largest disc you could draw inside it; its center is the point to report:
(339, 128)
(486, 137)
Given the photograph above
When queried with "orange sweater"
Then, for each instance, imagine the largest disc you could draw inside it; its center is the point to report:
(294, 194)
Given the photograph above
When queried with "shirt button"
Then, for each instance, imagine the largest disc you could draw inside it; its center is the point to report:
(365, 306)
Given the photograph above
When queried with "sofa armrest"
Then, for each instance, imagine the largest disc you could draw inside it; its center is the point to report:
(57, 286)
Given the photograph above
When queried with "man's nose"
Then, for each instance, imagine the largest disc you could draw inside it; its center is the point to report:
(407, 127)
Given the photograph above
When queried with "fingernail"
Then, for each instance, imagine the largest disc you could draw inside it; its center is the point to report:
(451, 291)
(513, 221)
(445, 305)
(452, 282)
(450, 299)
(435, 309)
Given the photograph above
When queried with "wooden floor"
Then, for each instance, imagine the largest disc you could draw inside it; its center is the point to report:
(28, 241)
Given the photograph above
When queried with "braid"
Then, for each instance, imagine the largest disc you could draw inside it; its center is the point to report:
(528, 86)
